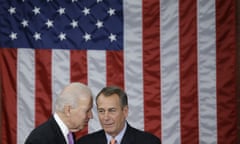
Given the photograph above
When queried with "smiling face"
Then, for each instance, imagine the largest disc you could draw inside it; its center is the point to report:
(111, 115)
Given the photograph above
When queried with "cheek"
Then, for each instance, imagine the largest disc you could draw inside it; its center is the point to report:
(120, 118)
(79, 115)
(100, 117)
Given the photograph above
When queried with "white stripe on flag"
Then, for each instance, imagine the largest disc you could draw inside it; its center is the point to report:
(96, 62)
(133, 67)
(25, 93)
(60, 72)
(207, 72)
(170, 90)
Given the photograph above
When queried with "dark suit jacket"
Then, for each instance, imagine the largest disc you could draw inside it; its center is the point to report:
(47, 133)
(131, 136)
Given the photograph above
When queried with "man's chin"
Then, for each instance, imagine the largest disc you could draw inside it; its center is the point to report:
(108, 129)
(112, 133)
(77, 129)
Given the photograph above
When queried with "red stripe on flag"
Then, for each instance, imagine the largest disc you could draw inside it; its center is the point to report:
(188, 72)
(115, 72)
(79, 66)
(151, 66)
(226, 71)
(43, 92)
(78, 72)
(8, 68)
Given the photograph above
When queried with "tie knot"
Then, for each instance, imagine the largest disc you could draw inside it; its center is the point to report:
(113, 141)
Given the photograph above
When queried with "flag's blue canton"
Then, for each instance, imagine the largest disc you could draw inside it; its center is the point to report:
(65, 24)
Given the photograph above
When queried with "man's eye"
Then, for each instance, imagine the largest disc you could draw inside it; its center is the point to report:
(100, 111)
(112, 110)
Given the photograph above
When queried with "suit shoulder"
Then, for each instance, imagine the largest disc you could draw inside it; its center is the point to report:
(92, 137)
(144, 136)
(41, 129)
(142, 133)
(44, 130)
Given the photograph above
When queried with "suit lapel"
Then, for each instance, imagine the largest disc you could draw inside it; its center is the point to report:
(128, 137)
(102, 138)
(59, 137)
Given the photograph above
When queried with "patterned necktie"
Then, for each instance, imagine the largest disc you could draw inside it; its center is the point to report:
(70, 138)
(113, 141)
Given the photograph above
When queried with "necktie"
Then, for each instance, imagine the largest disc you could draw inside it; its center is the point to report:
(113, 141)
(70, 138)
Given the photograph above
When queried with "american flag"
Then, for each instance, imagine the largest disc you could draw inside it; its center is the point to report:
(175, 59)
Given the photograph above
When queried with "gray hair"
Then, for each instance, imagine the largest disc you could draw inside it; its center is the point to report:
(110, 90)
(71, 94)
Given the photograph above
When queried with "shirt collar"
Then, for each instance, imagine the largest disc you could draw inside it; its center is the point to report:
(118, 137)
(62, 126)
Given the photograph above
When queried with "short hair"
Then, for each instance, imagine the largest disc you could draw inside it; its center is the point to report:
(110, 90)
(71, 94)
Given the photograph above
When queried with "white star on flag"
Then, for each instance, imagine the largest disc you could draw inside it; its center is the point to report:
(99, 24)
(74, 24)
(86, 11)
(61, 11)
(111, 11)
(12, 10)
(112, 37)
(24, 23)
(62, 36)
(36, 10)
(49, 23)
(13, 35)
(37, 36)
(87, 37)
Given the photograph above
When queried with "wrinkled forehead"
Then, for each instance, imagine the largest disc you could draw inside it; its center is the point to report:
(111, 101)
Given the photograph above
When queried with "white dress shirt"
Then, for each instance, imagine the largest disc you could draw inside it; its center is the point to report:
(62, 126)
(118, 137)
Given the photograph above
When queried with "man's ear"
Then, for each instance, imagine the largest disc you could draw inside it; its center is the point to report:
(125, 110)
(67, 109)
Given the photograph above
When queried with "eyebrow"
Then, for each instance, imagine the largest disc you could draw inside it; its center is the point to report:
(112, 108)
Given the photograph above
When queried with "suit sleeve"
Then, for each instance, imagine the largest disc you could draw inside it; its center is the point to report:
(145, 138)
(34, 141)
(152, 139)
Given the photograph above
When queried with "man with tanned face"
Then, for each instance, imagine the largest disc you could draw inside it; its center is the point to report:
(112, 107)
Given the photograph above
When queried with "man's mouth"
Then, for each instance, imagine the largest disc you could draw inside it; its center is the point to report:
(108, 125)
